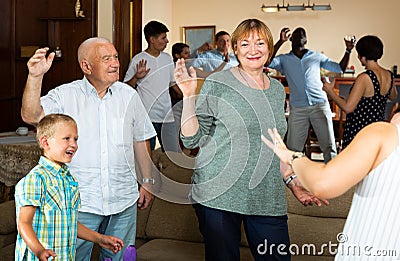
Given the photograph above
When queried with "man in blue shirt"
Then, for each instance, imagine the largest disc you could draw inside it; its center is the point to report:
(308, 102)
(211, 60)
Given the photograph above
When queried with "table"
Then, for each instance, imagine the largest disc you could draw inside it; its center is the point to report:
(18, 155)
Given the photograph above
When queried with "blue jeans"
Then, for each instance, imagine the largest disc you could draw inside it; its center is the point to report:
(121, 225)
(221, 231)
(167, 137)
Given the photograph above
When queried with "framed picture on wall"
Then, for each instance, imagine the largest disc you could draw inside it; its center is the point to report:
(195, 36)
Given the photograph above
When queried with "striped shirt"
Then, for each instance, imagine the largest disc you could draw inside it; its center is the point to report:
(372, 230)
(54, 191)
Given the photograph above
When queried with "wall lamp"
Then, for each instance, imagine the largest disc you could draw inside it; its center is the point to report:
(277, 8)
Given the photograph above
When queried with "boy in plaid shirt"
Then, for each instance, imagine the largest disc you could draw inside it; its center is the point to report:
(47, 199)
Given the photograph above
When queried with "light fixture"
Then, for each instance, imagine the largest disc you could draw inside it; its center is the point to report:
(277, 8)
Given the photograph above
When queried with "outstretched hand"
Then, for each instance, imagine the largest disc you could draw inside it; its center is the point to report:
(187, 82)
(38, 64)
(278, 146)
(304, 196)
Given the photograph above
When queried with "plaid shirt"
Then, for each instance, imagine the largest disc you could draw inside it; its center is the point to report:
(54, 191)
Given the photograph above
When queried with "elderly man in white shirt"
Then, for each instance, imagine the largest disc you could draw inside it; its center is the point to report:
(113, 128)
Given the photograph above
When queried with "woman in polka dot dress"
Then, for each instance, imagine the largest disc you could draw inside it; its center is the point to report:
(369, 93)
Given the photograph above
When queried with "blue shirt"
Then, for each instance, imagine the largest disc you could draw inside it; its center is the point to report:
(211, 60)
(303, 76)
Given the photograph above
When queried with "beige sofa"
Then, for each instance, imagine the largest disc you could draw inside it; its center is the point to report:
(169, 231)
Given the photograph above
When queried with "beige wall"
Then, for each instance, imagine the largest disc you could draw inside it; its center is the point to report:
(325, 29)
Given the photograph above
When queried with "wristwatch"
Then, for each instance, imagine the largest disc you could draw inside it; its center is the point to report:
(295, 155)
(148, 181)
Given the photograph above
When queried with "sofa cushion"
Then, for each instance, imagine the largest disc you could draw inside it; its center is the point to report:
(338, 207)
(172, 221)
(174, 250)
(7, 253)
(7, 220)
(307, 231)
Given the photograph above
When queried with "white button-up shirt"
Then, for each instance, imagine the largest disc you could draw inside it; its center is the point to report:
(107, 127)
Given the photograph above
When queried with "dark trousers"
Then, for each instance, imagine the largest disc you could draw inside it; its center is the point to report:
(221, 231)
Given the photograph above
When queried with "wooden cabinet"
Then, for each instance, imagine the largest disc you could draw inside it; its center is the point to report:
(39, 23)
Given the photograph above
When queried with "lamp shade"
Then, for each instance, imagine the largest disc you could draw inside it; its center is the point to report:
(321, 7)
(295, 8)
(270, 8)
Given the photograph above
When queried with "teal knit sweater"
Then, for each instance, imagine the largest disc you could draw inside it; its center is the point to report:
(235, 170)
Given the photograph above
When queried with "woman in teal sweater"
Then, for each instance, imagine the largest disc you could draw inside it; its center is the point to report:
(236, 180)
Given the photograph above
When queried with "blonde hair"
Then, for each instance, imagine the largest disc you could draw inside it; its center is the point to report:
(248, 26)
(47, 125)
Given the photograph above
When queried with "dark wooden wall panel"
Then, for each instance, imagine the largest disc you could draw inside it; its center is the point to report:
(39, 23)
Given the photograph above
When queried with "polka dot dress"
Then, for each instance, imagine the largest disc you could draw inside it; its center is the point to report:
(367, 111)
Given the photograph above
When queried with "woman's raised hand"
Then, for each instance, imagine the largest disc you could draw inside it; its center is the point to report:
(187, 82)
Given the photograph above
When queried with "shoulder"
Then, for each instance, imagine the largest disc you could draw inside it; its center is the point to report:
(123, 89)
(379, 131)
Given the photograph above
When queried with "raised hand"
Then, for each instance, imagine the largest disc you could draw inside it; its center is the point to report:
(141, 70)
(38, 64)
(185, 81)
(350, 43)
(205, 47)
(285, 35)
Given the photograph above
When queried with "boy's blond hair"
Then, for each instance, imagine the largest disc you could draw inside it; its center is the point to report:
(47, 125)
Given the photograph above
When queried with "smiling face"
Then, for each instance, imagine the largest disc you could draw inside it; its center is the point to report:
(223, 43)
(252, 52)
(102, 66)
(61, 145)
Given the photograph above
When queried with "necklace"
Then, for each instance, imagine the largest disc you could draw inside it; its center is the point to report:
(263, 86)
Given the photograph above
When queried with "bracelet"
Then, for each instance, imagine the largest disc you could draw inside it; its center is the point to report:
(348, 51)
(295, 155)
(290, 179)
(148, 181)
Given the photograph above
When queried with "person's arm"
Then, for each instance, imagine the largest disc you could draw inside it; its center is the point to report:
(205, 74)
(188, 84)
(355, 95)
(25, 218)
(346, 57)
(141, 72)
(203, 48)
(349, 167)
(283, 37)
(143, 159)
(109, 242)
(38, 65)
(298, 190)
